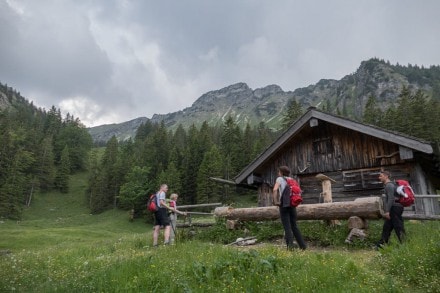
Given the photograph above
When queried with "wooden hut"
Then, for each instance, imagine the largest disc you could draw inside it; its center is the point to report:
(350, 153)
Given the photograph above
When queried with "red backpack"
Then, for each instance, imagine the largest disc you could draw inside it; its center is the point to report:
(295, 192)
(405, 193)
(152, 203)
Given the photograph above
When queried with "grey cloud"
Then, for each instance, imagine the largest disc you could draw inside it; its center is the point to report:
(137, 58)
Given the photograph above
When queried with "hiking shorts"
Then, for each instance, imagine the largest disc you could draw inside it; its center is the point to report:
(161, 218)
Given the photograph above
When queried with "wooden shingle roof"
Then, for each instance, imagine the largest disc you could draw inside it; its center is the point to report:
(394, 137)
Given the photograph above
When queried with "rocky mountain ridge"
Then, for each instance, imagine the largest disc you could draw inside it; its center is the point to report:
(346, 96)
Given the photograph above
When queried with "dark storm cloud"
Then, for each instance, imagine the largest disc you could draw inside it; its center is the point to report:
(112, 61)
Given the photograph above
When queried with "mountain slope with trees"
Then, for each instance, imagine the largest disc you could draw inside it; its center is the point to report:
(347, 97)
(39, 149)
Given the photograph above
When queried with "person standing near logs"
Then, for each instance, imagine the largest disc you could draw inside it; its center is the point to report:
(161, 218)
(173, 216)
(287, 213)
(393, 211)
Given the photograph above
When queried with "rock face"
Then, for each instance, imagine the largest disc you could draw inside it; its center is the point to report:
(122, 131)
(347, 96)
(237, 101)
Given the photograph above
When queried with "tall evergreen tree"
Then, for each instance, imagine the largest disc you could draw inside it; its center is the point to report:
(191, 163)
(96, 190)
(293, 112)
(417, 106)
(402, 121)
(264, 138)
(211, 166)
(62, 178)
(372, 112)
(247, 146)
(135, 191)
(231, 148)
(110, 172)
(77, 138)
(46, 165)
(172, 177)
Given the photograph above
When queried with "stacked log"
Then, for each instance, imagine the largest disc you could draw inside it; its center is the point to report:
(366, 208)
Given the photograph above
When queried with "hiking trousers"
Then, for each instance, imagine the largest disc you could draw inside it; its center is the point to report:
(288, 219)
(394, 223)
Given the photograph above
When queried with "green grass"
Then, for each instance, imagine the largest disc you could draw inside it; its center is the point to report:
(56, 219)
(60, 247)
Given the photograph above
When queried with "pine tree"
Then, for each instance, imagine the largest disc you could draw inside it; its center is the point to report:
(372, 113)
(264, 138)
(402, 120)
(96, 190)
(74, 135)
(46, 165)
(191, 163)
(418, 107)
(211, 166)
(171, 176)
(110, 172)
(247, 146)
(231, 148)
(134, 193)
(292, 113)
(62, 178)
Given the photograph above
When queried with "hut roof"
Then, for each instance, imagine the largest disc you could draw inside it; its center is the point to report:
(404, 140)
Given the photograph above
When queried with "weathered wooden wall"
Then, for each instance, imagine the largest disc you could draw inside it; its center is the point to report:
(349, 157)
(329, 148)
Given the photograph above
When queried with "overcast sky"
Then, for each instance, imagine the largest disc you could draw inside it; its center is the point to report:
(109, 61)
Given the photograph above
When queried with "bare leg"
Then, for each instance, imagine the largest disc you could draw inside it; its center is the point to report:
(167, 234)
(156, 234)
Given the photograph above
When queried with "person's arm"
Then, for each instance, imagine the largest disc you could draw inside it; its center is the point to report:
(175, 210)
(275, 196)
(389, 192)
(163, 204)
(179, 212)
(162, 200)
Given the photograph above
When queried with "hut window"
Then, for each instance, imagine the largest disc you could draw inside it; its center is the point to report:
(361, 179)
(323, 146)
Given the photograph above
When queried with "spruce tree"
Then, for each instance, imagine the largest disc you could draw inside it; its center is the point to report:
(372, 112)
(110, 172)
(62, 178)
(211, 166)
(231, 148)
(292, 113)
(191, 162)
(134, 193)
(46, 165)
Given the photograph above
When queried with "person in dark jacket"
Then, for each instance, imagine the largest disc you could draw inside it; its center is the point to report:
(287, 212)
(393, 211)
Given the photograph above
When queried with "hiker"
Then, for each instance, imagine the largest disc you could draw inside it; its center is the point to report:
(173, 211)
(393, 211)
(287, 212)
(161, 217)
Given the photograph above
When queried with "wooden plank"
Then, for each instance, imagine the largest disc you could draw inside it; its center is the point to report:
(420, 217)
(200, 205)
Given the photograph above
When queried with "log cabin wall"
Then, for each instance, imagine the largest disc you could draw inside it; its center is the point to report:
(351, 158)
(342, 189)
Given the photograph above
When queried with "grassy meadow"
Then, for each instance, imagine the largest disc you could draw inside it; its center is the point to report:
(59, 247)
